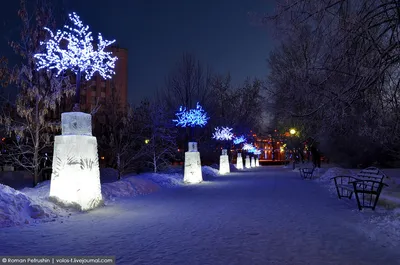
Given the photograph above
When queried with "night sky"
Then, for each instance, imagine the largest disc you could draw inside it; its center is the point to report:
(156, 33)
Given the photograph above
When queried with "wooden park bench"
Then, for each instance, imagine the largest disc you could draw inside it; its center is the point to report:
(306, 172)
(367, 185)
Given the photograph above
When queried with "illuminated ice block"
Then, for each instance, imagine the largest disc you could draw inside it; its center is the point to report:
(247, 164)
(75, 178)
(224, 163)
(239, 161)
(76, 123)
(192, 147)
(257, 162)
(192, 171)
(252, 162)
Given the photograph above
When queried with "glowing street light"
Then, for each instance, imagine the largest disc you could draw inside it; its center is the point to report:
(292, 131)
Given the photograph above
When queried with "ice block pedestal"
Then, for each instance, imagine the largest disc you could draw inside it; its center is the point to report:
(257, 162)
(75, 179)
(224, 163)
(247, 164)
(252, 162)
(239, 161)
(192, 172)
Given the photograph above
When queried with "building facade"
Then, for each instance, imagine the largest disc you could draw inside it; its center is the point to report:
(97, 90)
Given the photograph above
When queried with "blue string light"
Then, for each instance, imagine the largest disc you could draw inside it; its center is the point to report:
(239, 140)
(191, 118)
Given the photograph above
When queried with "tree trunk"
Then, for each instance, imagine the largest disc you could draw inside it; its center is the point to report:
(35, 161)
(77, 106)
(119, 165)
(155, 162)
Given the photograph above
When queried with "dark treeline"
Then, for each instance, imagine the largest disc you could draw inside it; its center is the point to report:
(335, 76)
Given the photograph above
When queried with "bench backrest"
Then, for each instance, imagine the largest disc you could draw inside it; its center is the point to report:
(372, 173)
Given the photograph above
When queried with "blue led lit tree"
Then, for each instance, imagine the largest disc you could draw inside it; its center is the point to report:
(223, 134)
(191, 118)
(239, 139)
(73, 49)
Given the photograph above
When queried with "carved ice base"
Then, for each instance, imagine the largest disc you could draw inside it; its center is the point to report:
(252, 162)
(239, 162)
(257, 162)
(247, 164)
(75, 179)
(76, 176)
(192, 172)
(224, 164)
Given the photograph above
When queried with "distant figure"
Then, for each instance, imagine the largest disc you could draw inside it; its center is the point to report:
(316, 156)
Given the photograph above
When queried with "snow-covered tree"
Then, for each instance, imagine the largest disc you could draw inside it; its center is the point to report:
(39, 95)
(120, 136)
(73, 49)
(161, 135)
(335, 74)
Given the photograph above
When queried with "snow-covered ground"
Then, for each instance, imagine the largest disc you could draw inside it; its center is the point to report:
(31, 205)
(386, 219)
(264, 215)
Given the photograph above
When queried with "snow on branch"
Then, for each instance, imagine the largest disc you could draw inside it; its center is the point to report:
(73, 49)
(191, 118)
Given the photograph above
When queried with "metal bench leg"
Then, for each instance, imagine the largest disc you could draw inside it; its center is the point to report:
(358, 199)
(377, 198)
(337, 189)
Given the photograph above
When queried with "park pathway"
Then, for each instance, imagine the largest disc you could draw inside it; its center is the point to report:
(264, 215)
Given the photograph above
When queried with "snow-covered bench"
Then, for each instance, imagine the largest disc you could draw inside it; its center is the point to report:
(306, 172)
(368, 185)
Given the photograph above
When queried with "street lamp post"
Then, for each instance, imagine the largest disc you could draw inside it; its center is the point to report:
(292, 133)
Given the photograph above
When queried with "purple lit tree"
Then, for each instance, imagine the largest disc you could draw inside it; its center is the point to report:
(73, 50)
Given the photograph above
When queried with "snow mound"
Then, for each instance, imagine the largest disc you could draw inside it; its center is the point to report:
(209, 172)
(17, 208)
(163, 180)
(127, 187)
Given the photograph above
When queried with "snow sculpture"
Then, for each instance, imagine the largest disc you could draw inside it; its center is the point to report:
(192, 172)
(247, 164)
(257, 162)
(252, 162)
(75, 178)
(239, 161)
(224, 163)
